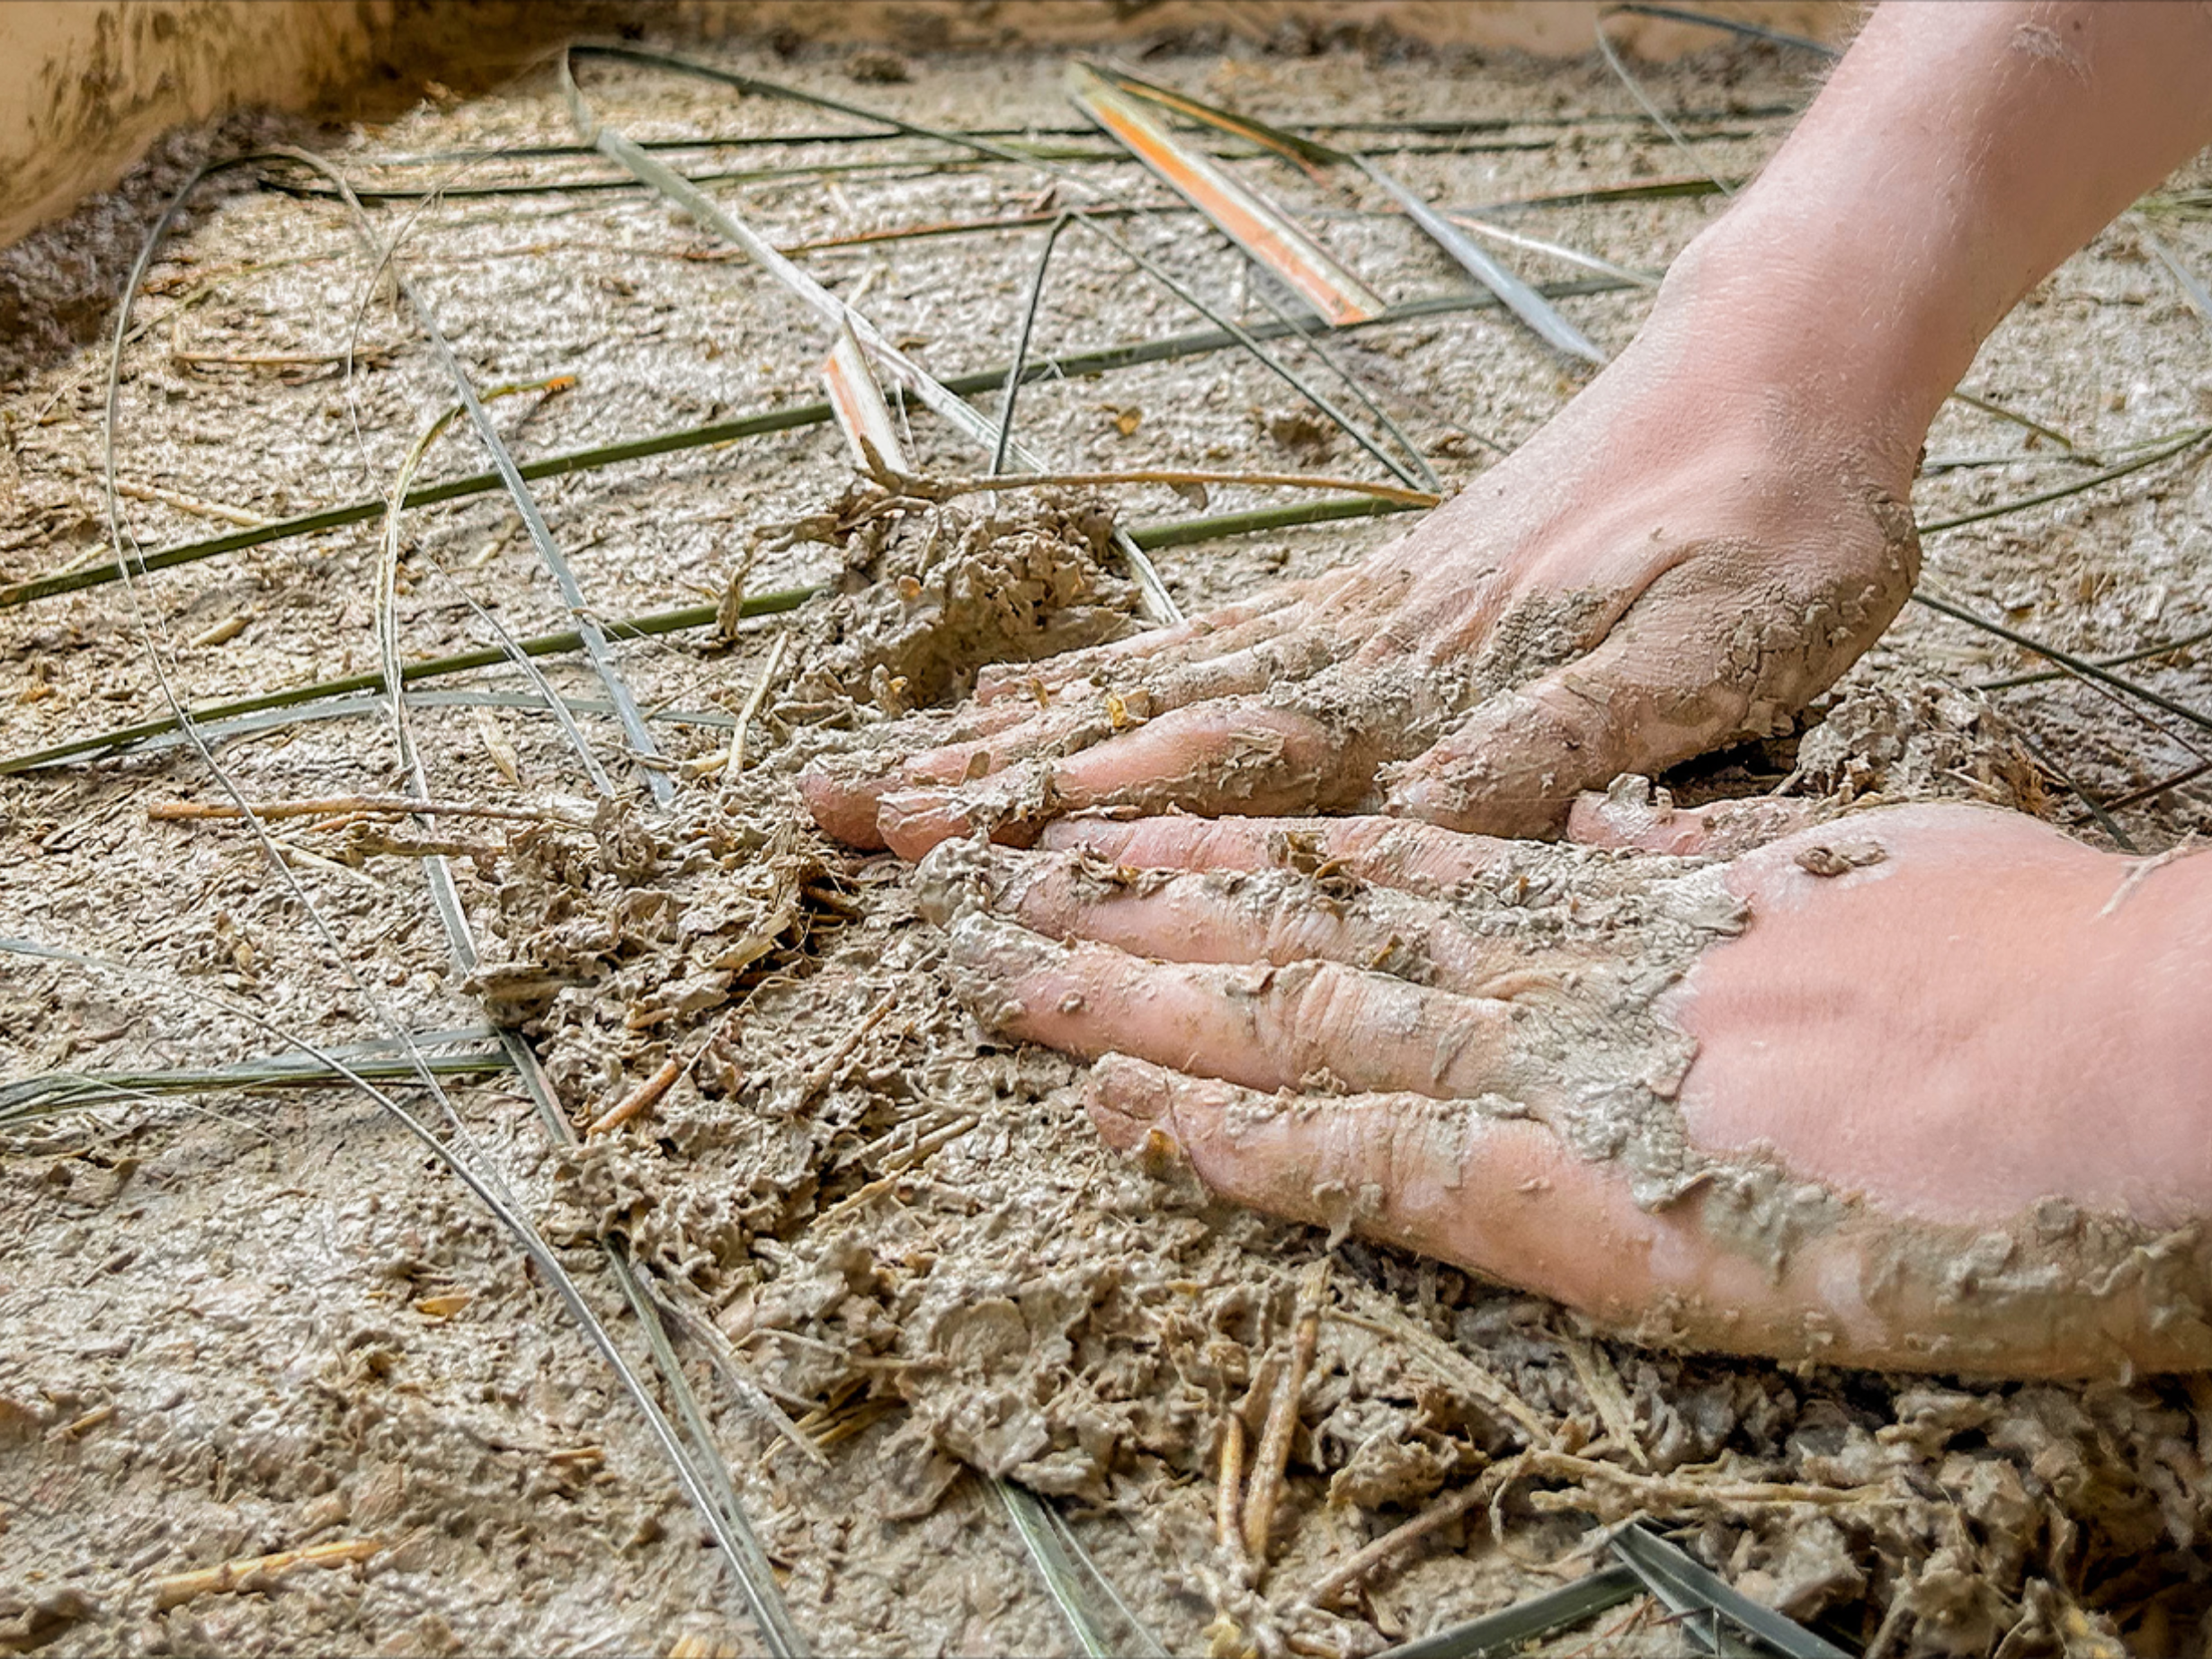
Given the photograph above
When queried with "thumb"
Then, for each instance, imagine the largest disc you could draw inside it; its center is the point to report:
(1689, 668)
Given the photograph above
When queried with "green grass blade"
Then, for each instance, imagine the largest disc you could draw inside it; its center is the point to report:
(542, 644)
(1072, 1580)
(1075, 182)
(50, 1093)
(1518, 296)
(2163, 647)
(1512, 1629)
(1522, 301)
(1267, 233)
(2101, 814)
(2194, 438)
(1687, 1587)
(2078, 666)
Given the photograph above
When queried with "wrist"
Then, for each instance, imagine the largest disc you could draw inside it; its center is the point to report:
(1765, 304)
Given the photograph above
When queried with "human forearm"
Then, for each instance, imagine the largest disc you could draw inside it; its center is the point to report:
(1958, 154)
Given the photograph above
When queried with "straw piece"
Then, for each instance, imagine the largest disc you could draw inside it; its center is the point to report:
(856, 398)
(257, 1572)
(1255, 225)
(639, 1098)
(1273, 1456)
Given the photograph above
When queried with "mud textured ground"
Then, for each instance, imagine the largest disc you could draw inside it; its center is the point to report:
(241, 1323)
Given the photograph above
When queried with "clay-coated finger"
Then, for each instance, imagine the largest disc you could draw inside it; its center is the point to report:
(1231, 627)
(1502, 1196)
(846, 794)
(1498, 1195)
(846, 797)
(1392, 853)
(1311, 1024)
(1234, 755)
(1239, 917)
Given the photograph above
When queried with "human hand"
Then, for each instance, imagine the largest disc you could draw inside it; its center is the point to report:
(1681, 560)
(1919, 1088)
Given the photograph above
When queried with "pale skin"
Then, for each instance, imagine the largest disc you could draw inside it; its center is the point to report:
(1972, 1033)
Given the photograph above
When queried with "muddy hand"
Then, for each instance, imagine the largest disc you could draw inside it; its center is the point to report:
(1696, 545)
(1919, 1088)
(1653, 576)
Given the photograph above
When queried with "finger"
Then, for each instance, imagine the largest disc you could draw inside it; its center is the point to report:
(1237, 917)
(845, 793)
(1231, 627)
(1087, 712)
(1391, 852)
(1500, 1196)
(1232, 755)
(846, 796)
(843, 803)
(1634, 814)
(1685, 671)
(1311, 1024)
(1346, 595)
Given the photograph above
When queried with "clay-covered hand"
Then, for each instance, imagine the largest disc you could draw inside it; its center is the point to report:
(1673, 563)
(1919, 1088)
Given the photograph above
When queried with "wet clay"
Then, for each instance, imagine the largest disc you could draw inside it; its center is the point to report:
(243, 1322)
(933, 593)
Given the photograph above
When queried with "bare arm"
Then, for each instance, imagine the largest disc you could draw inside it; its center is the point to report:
(1960, 152)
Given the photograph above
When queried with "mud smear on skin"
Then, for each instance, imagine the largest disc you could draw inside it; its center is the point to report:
(1599, 938)
(247, 1290)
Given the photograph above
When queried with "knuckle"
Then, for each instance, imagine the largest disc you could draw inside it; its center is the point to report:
(1314, 1012)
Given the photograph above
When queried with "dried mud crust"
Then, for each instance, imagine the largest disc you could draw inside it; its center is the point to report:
(930, 595)
(264, 1324)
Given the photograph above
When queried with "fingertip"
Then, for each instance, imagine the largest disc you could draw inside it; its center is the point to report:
(1131, 1102)
(911, 822)
(843, 809)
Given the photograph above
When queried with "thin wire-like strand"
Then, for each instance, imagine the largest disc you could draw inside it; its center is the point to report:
(1022, 346)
